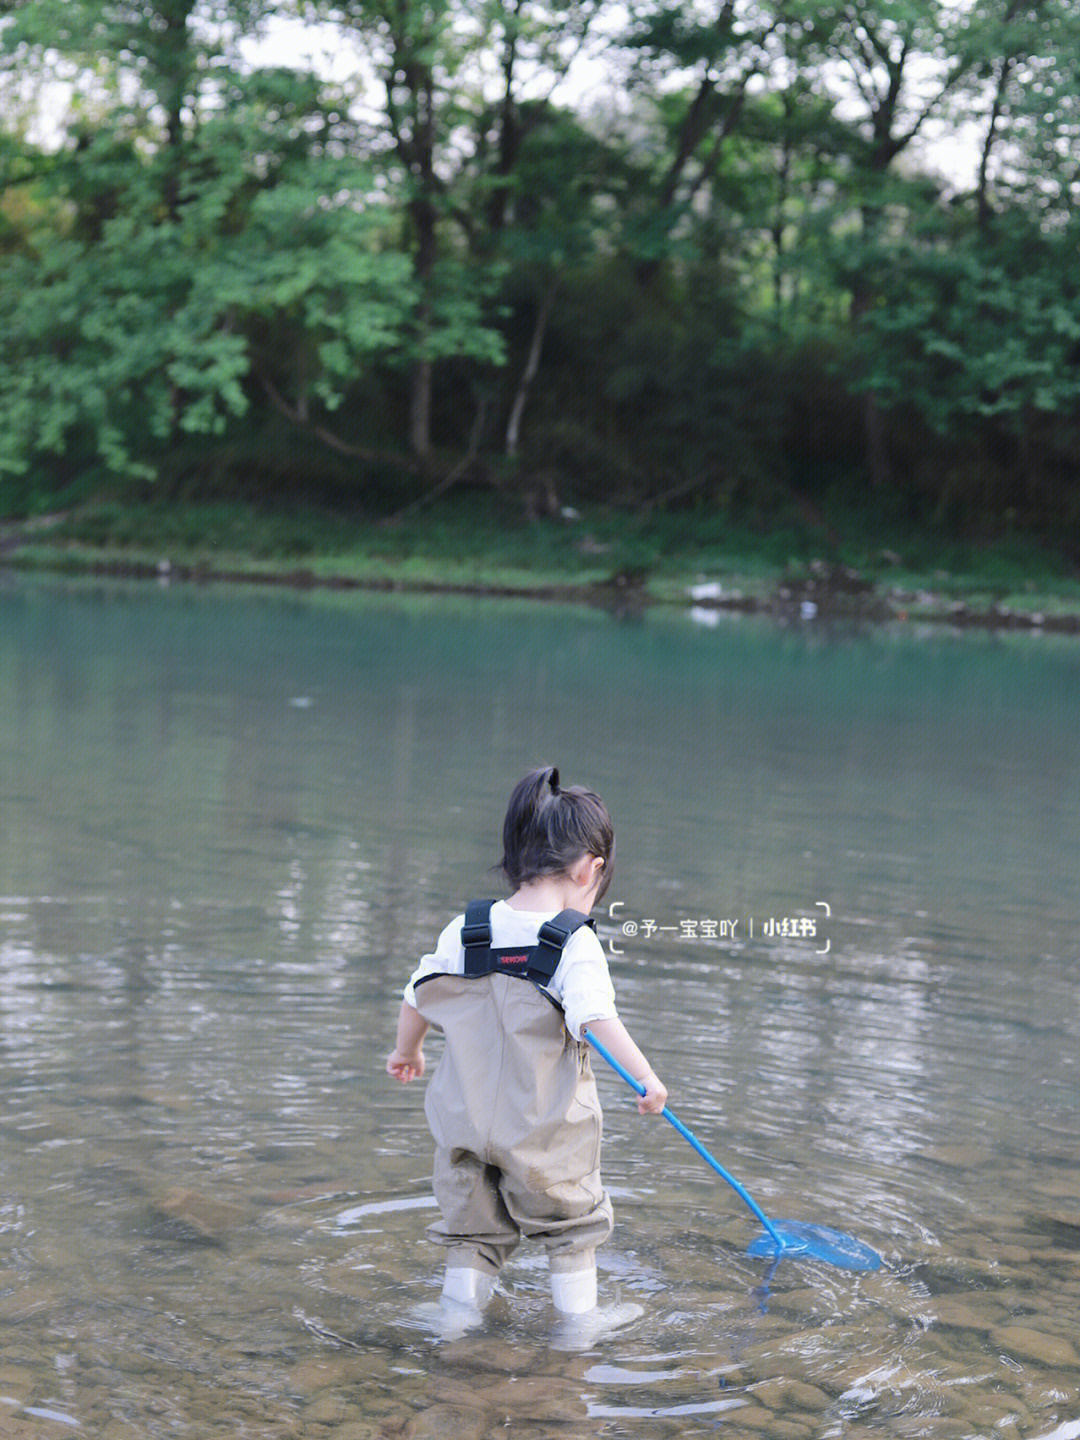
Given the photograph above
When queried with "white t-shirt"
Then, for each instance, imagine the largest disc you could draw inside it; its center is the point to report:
(581, 984)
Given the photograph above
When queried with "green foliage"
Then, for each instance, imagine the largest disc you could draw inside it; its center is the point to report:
(741, 287)
(130, 321)
(974, 331)
(149, 328)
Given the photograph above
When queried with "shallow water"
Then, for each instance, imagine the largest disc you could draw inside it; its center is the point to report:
(229, 823)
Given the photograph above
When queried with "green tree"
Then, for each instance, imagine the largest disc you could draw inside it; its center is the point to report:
(145, 324)
(453, 125)
(412, 48)
(1028, 56)
(194, 236)
(696, 67)
(444, 267)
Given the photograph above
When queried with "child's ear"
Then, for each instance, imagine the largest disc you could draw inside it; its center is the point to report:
(586, 871)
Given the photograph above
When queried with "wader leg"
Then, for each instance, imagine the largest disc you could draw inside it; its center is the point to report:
(570, 1219)
(476, 1228)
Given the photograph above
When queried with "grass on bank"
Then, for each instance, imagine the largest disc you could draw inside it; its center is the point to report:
(477, 541)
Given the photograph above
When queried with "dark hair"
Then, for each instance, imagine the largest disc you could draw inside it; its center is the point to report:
(547, 829)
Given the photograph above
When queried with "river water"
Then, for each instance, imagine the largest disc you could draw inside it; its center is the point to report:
(843, 926)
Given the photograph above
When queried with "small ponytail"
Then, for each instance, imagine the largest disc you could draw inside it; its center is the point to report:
(547, 829)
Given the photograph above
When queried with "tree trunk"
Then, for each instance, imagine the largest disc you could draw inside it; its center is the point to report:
(509, 139)
(532, 365)
(878, 460)
(424, 215)
(420, 412)
(174, 65)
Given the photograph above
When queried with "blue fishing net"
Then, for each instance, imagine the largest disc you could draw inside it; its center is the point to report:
(801, 1240)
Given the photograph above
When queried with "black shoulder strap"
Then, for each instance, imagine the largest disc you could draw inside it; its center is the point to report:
(544, 960)
(476, 937)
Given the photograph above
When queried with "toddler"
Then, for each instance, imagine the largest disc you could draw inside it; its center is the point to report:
(514, 985)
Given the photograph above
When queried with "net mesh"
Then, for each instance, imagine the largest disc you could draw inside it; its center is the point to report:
(816, 1242)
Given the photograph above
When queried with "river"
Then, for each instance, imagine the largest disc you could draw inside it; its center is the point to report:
(844, 926)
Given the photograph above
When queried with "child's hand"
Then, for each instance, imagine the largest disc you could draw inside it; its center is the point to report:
(655, 1097)
(405, 1067)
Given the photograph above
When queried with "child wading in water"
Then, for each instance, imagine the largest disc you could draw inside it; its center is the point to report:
(513, 985)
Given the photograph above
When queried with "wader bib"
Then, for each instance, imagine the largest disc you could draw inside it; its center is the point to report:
(512, 1106)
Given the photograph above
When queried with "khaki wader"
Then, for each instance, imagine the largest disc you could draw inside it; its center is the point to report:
(516, 1120)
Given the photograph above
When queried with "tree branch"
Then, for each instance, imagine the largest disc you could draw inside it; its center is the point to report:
(294, 414)
(532, 365)
(452, 476)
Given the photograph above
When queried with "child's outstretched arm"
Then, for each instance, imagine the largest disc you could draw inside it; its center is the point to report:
(614, 1035)
(406, 1061)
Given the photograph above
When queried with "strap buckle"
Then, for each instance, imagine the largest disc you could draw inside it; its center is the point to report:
(551, 933)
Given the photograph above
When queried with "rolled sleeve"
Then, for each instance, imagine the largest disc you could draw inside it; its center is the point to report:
(582, 984)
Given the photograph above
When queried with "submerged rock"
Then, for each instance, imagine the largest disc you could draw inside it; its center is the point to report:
(16, 1383)
(445, 1422)
(783, 1394)
(973, 1310)
(958, 1157)
(188, 1215)
(1050, 1350)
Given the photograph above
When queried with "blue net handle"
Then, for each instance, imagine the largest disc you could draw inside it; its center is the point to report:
(689, 1135)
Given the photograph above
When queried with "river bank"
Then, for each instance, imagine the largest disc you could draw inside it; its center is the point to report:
(611, 560)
